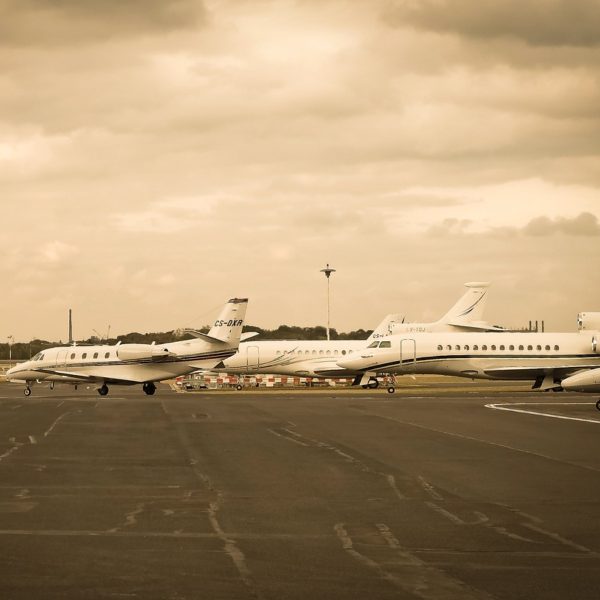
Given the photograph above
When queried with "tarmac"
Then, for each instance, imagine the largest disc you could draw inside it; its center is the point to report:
(442, 492)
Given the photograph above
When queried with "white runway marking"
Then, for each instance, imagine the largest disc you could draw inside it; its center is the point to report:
(392, 483)
(288, 438)
(488, 442)
(32, 439)
(445, 513)
(508, 406)
(10, 451)
(56, 422)
(407, 572)
(233, 550)
(429, 488)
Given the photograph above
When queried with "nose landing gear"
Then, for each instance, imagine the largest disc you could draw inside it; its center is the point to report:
(27, 391)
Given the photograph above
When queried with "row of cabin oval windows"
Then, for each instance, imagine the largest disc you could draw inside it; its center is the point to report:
(40, 356)
(484, 347)
(314, 352)
(84, 355)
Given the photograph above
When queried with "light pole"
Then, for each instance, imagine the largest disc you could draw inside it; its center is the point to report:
(328, 271)
(11, 339)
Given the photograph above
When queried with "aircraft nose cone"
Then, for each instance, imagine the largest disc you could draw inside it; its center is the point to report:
(355, 363)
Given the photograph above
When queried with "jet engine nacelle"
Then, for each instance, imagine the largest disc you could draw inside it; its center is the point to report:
(141, 351)
(588, 321)
(588, 381)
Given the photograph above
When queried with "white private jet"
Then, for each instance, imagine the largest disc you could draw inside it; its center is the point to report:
(130, 364)
(569, 361)
(319, 358)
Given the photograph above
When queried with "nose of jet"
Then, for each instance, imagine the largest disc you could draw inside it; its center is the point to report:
(357, 363)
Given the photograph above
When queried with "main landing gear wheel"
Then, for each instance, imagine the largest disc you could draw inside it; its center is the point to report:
(391, 389)
(598, 405)
(373, 384)
(27, 392)
(103, 390)
(239, 387)
(149, 388)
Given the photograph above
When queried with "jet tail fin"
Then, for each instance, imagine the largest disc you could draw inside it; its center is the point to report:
(469, 307)
(228, 326)
(385, 327)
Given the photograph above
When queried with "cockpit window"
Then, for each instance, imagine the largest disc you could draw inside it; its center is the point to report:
(385, 345)
(373, 345)
(37, 356)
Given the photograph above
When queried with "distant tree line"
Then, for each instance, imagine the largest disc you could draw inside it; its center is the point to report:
(25, 350)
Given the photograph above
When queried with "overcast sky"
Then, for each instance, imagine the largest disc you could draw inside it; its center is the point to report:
(160, 156)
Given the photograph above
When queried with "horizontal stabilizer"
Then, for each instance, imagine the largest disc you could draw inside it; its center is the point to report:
(480, 326)
(203, 336)
(248, 334)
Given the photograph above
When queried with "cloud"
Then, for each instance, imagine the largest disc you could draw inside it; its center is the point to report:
(70, 22)
(173, 215)
(194, 153)
(585, 224)
(537, 22)
(56, 252)
(450, 227)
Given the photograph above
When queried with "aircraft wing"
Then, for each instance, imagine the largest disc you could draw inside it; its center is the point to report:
(89, 378)
(533, 372)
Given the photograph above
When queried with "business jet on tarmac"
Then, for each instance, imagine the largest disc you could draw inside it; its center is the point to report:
(319, 358)
(569, 361)
(130, 364)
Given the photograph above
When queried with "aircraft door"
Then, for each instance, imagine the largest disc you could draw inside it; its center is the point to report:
(408, 355)
(61, 358)
(252, 357)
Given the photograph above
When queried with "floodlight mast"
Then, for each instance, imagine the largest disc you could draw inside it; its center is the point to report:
(328, 271)
(11, 341)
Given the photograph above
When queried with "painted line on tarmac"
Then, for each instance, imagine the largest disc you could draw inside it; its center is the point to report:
(406, 571)
(486, 442)
(508, 407)
(56, 422)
